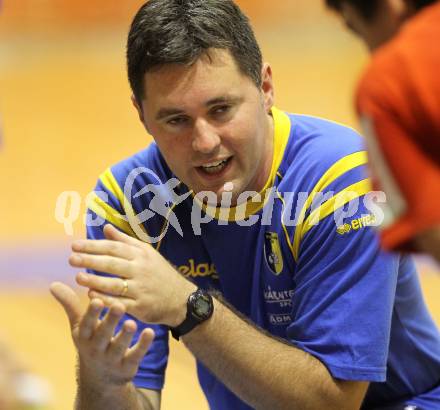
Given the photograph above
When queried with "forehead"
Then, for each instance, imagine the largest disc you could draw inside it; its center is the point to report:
(213, 72)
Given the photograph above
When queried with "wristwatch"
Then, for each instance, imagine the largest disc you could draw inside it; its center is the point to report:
(199, 308)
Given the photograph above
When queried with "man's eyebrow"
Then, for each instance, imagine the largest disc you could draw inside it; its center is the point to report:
(166, 112)
(222, 100)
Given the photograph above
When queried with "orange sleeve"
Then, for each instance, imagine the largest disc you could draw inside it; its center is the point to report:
(403, 144)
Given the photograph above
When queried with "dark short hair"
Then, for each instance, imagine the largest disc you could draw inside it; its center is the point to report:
(368, 8)
(180, 31)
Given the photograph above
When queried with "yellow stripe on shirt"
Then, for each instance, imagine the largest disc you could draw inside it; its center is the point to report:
(337, 201)
(109, 181)
(104, 210)
(339, 168)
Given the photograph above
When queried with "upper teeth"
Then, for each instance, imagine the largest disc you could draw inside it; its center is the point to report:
(214, 164)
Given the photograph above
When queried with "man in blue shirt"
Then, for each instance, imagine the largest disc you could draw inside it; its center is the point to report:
(260, 254)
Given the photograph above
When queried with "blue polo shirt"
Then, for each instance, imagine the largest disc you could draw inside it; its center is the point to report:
(300, 259)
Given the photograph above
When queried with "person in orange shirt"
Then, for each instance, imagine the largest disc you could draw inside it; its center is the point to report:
(398, 102)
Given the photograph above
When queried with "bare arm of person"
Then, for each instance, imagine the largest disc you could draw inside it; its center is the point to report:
(107, 363)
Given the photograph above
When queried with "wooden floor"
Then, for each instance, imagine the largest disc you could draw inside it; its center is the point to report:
(37, 328)
(66, 116)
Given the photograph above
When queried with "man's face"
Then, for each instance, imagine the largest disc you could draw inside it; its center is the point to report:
(382, 27)
(211, 123)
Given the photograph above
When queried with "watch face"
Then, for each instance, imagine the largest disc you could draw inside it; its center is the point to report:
(202, 306)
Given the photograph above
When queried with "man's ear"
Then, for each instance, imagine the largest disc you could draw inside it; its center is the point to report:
(138, 108)
(267, 87)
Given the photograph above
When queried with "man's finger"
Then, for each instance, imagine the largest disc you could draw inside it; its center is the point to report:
(113, 234)
(103, 334)
(102, 284)
(121, 342)
(101, 263)
(69, 300)
(139, 350)
(104, 247)
(90, 320)
(109, 300)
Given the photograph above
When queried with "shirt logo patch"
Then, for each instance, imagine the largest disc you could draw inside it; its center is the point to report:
(197, 270)
(356, 224)
(272, 252)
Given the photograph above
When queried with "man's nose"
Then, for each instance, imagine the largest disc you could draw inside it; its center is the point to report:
(205, 137)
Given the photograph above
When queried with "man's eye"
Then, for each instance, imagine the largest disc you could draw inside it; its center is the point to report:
(177, 121)
(221, 109)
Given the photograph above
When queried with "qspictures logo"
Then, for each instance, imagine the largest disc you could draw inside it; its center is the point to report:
(158, 198)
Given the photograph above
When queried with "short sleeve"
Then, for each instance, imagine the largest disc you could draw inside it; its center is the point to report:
(344, 295)
(399, 123)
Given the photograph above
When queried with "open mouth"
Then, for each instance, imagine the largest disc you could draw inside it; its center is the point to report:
(215, 168)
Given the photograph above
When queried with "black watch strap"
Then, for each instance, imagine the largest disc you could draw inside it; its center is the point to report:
(199, 308)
